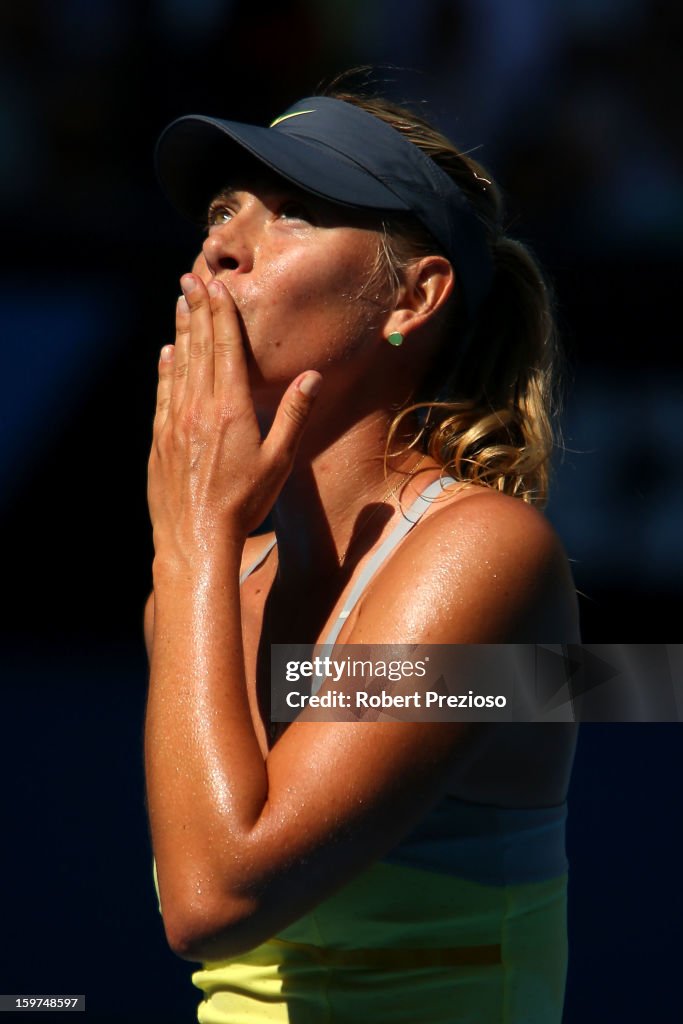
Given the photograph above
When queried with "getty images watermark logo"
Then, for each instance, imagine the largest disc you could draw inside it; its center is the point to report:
(478, 682)
(370, 682)
(349, 668)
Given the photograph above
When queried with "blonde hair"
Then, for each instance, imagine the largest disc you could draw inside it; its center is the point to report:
(490, 402)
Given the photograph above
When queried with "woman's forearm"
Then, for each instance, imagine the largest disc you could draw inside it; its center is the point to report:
(206, 777)
(213, 478)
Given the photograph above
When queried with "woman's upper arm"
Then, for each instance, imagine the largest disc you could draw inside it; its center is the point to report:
(487, 569)
(341, 794)
(479, 576)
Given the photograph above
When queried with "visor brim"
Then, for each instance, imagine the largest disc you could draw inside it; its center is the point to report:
(197, 156)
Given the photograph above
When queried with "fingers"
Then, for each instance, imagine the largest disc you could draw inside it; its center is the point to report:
(164, 387)
(291, 418)
(205, 418)
(210, 356)
(182, 352)
(231, 375)
(208, 348)
(196, 330)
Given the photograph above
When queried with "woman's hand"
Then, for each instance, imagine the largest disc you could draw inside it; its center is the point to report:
(211, 473)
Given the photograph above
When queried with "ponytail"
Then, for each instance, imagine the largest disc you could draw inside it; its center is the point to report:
(493, 420)
(489, 404)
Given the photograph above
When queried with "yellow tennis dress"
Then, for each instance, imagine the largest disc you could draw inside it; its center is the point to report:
(464, 923)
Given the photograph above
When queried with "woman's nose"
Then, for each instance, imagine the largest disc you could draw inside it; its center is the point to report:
(226, 247)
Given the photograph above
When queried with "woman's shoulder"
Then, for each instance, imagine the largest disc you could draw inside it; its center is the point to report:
(463, 515)
(479, 567)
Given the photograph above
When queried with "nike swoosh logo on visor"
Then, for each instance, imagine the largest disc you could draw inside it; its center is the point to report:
(285, 117)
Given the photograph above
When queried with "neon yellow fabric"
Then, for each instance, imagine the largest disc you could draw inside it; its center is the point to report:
(404, 946)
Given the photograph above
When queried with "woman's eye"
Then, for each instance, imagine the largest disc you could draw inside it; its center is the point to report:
(296, 211)
(218, 215)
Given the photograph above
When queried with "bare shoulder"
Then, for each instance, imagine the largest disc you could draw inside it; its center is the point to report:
(482, 522)
(482, 567)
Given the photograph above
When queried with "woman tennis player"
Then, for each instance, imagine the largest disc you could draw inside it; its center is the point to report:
(364, 361)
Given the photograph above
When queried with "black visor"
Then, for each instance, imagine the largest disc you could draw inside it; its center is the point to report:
(342, 153)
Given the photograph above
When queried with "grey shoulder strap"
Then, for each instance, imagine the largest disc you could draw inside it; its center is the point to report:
(261, 557)
(406, 523)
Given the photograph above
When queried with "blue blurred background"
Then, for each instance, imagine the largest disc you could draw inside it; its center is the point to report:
(576, 109)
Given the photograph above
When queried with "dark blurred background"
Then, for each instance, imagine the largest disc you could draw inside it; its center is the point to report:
(576, 109)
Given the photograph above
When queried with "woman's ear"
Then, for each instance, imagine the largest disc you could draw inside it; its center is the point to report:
(425, 289)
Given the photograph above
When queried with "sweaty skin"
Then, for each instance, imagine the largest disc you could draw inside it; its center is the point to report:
(247, 836)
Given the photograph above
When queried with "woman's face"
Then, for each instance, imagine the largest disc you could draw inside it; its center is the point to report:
(297, 269)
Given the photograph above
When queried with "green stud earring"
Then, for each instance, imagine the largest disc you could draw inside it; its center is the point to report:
(396, 338)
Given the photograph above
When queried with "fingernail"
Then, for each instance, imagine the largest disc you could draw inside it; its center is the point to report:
(182, 304)
(310, 385)
(188, 284)
(214, 289)
(167, 353)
